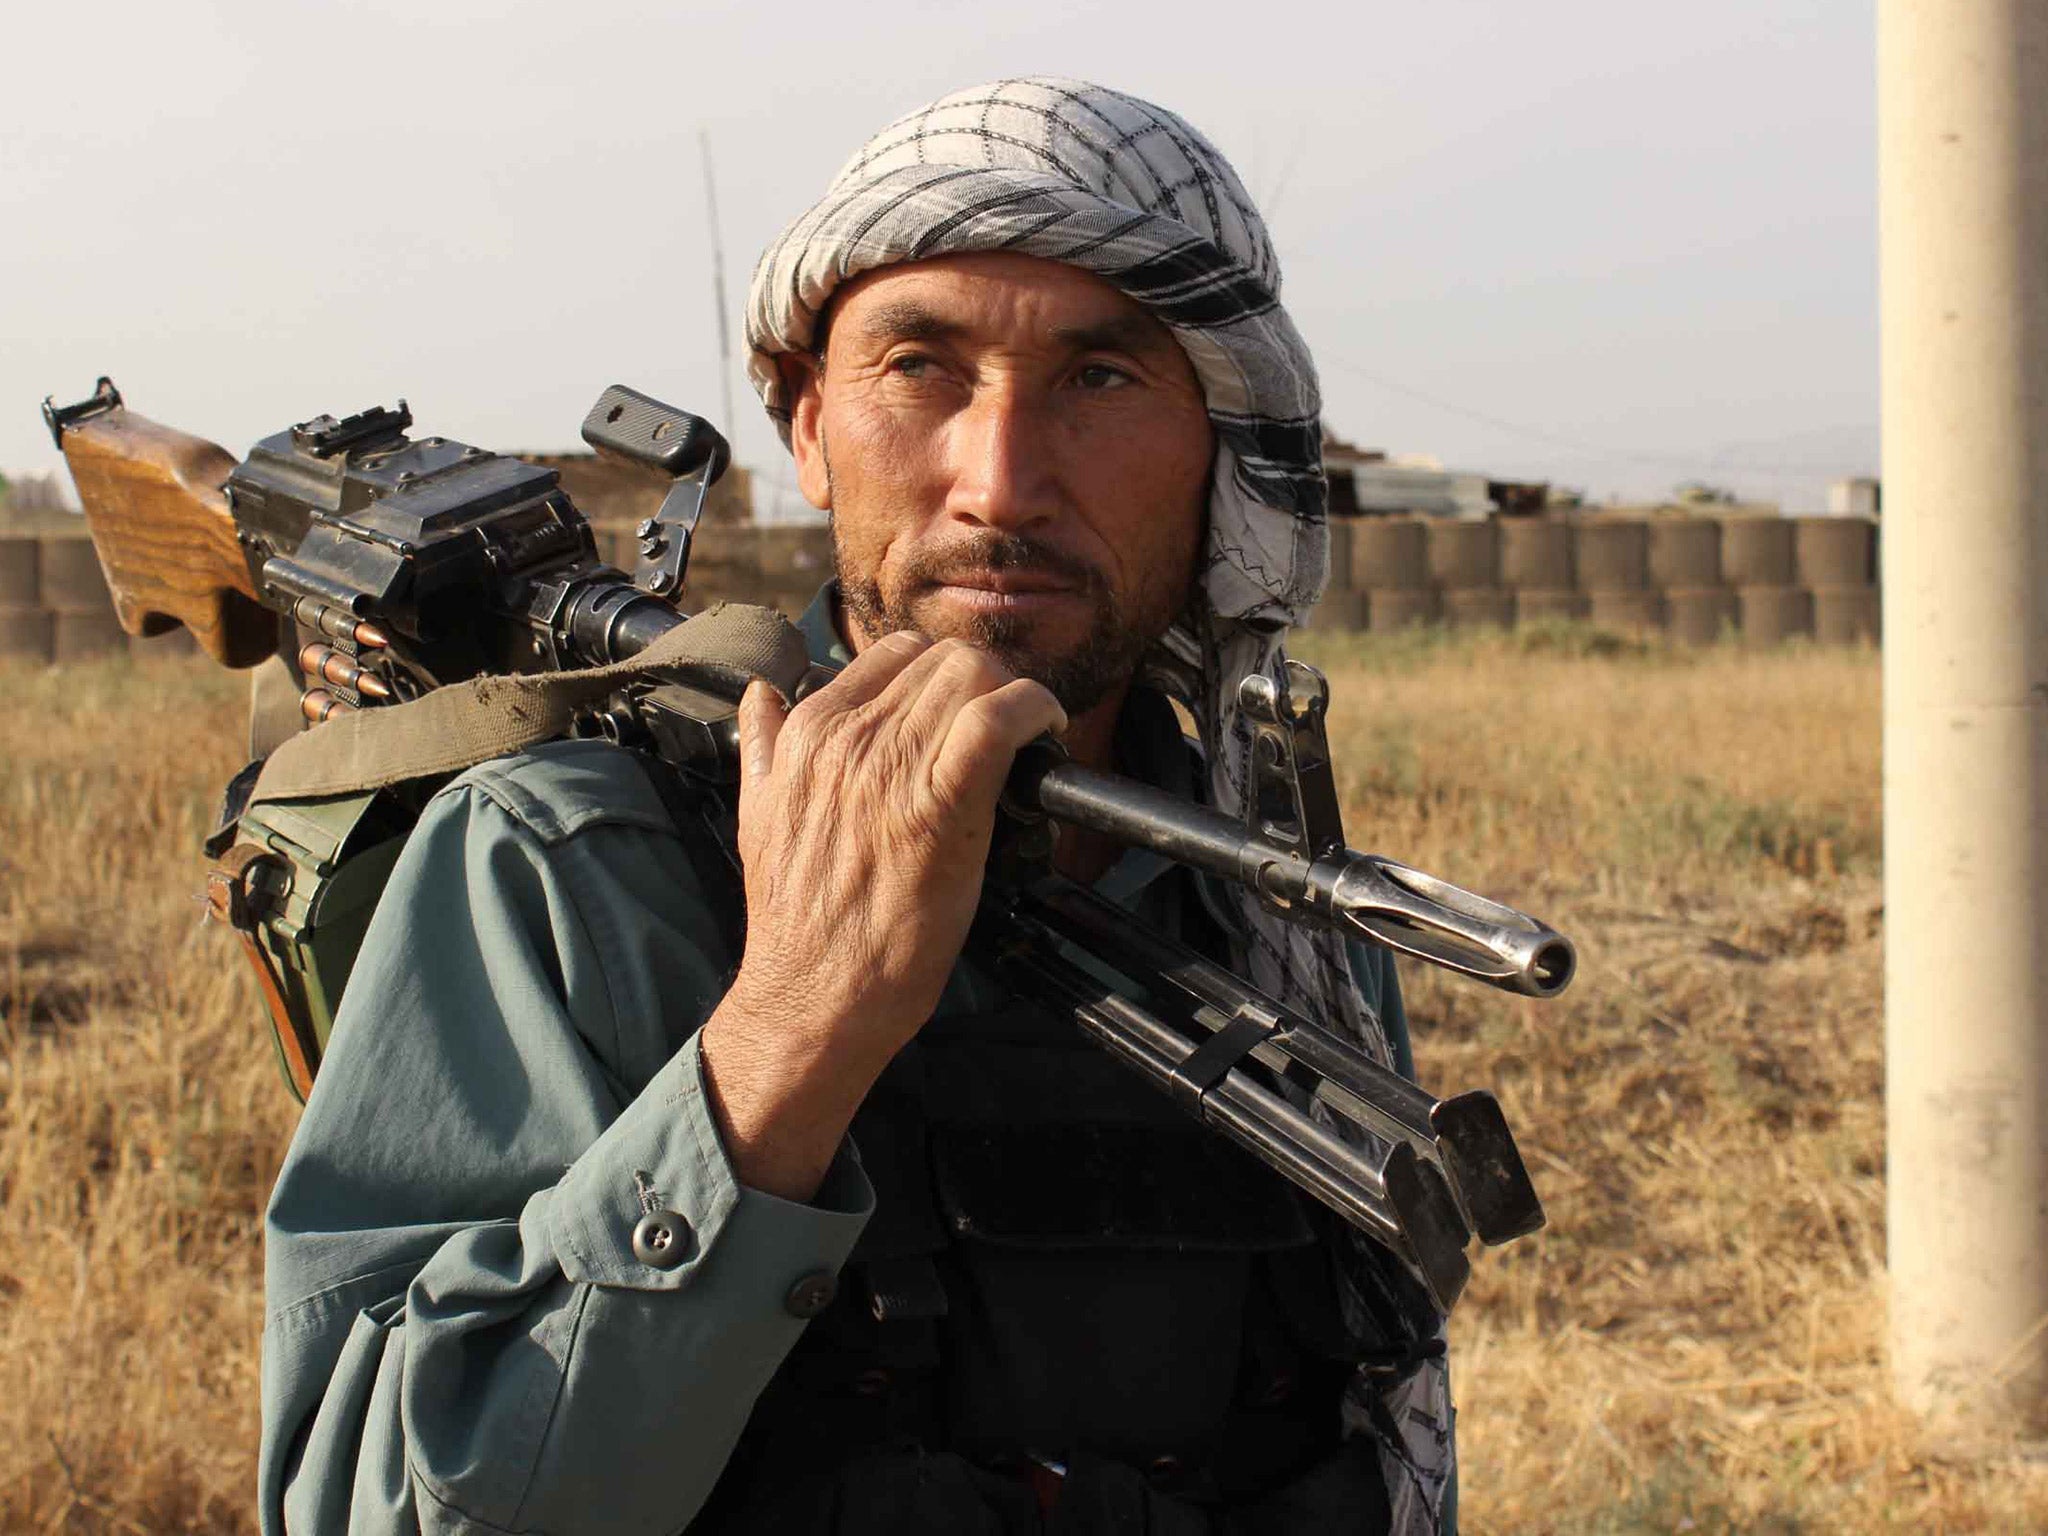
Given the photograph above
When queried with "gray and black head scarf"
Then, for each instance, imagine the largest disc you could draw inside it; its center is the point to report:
(1075, 173)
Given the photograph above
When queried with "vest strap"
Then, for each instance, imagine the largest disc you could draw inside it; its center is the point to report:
(1210, 1061)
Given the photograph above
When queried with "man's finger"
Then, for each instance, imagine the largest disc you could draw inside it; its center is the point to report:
(869, 673)
(932, 689)
(985, 736)
(761, 716)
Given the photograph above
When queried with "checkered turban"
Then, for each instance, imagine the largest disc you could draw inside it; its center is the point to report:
(1075, 173)
(1120, 188)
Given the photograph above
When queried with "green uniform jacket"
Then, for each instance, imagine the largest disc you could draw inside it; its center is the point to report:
(458, 1334)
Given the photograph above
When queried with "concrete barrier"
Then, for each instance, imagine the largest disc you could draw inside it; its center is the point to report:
(1392, 608)
(1467, 606)
(78, 634)
(1339, 612)
(1835, 553)
(1612, 555)
(1769, 614)
(1389, 553)
(1757, 552)
(20, 568)
(1535, 552)
(1534, 603)
(1846, 615)
(1698, 615)
(1685, 552)
(1339, 530)
(617, 545)
(70, 578)
(1636, 611)
(1463, 555)
(802, 551)
(25, 633)
(178, 642)
(1386, 573)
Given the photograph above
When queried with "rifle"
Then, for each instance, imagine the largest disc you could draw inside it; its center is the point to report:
(404, 565)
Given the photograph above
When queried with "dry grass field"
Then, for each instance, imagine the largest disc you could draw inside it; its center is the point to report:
(1695, 1343)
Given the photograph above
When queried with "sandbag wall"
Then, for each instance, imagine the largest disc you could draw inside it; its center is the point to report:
(55, 607)
(1759, 579)
(732, 558)
(778, 565)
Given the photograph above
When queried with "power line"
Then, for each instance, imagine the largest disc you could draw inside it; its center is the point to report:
(1689, 464)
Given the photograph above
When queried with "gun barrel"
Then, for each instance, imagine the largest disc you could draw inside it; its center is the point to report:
(1445, 924)
(1405, 909)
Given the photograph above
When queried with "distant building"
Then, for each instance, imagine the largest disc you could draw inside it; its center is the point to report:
(1700, 493)
(1366, 482)
(1856, 496)
(1384, 488)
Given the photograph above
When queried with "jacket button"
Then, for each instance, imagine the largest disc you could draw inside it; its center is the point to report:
(811, 1294)
(661, 1240)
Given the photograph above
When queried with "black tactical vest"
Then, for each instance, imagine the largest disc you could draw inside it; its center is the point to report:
(1061, 1268)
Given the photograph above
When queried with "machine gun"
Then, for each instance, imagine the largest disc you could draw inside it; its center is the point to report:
(401, 566)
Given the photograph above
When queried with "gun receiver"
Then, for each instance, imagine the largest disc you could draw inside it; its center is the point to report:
(409, 564)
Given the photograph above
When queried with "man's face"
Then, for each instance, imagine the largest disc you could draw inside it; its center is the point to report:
(1014, 454)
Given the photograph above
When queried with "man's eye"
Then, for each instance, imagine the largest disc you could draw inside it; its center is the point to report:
(910, 365)
(1101, 376)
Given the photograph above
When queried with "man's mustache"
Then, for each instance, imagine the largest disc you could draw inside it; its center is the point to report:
(1005, 552)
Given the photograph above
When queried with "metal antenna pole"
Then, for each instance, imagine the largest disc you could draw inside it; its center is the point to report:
(727, 420)
(1963, 252)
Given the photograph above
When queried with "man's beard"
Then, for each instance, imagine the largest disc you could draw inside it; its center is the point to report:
(1104, 659)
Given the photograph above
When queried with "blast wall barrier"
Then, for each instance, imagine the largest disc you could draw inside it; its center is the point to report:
(1700, 579)
(1755, 579)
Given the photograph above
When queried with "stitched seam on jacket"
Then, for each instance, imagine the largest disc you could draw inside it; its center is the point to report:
(422, 1484)
(541, 1380)
(555, 1402)
(503, 781)
(326, 1299)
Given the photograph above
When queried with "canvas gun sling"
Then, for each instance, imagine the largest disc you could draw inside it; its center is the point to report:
(309, 853)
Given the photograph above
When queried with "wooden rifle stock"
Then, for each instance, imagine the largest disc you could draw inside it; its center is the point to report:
(162, 528)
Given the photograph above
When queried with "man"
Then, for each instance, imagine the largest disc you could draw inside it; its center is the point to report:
(622, 1203)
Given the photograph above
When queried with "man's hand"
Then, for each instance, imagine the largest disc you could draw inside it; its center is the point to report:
(864, 824)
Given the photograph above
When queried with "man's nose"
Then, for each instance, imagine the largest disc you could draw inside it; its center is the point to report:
(1003, 459)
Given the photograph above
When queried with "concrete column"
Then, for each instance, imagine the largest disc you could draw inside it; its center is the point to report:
(1963, 246)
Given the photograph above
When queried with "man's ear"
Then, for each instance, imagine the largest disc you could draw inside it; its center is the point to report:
(803, 383)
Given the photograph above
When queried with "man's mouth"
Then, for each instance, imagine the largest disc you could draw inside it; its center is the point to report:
(1007, 583)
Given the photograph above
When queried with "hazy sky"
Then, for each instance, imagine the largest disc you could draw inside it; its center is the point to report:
(1614, 243)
